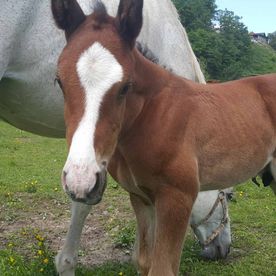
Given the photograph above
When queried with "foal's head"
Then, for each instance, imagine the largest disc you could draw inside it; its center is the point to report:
(95, 73)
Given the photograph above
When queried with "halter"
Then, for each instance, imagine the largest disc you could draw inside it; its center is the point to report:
(220, 199)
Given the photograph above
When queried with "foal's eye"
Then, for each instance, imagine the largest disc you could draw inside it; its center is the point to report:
(123, 91)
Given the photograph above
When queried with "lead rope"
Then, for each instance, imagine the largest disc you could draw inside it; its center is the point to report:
(220, 199)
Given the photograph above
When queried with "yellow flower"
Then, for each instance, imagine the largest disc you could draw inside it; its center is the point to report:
(10, 245)
(56, 189)
(12, 260)
(40, 252)
(40, 244)
(41, 270)
(121, 273)
(46, 261)
(39, 238)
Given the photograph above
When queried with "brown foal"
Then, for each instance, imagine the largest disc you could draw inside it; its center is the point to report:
(162, 137)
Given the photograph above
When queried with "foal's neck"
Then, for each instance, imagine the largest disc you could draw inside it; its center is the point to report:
(153, 86)
(149, 80)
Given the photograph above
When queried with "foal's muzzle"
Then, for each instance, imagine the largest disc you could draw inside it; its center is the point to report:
(94, 196)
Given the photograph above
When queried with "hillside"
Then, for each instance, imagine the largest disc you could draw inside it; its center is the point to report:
(262, 61)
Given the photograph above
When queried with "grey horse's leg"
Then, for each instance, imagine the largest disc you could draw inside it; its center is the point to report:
(66, 260)
(3, 66)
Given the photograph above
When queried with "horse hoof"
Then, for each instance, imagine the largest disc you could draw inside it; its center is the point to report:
(65, 265)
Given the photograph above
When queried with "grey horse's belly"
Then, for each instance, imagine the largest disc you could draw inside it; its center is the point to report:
(23, 107)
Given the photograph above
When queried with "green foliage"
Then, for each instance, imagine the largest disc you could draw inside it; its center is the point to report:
(126, 236)
(39, 262)
(235, 45)
(207, 47)
(225, 52)
(262, 61)
(109, 269)
(30, 186)
(272, 40)
(196, 14)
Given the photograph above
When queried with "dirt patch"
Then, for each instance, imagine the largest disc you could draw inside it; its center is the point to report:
(97, 245)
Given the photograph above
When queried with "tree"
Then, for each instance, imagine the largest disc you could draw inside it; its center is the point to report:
(196, 14)
(207, 47)
(223, 51)
(236, 45)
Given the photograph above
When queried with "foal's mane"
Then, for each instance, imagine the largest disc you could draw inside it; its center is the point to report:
(148, 54)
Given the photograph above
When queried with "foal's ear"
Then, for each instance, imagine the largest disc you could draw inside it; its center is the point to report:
(68, 15)
(130, 19)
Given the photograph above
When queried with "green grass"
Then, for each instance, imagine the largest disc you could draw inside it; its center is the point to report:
(30, 189)
(263, 60)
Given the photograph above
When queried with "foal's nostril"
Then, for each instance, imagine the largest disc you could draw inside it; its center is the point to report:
(64, 174)
(96, 187)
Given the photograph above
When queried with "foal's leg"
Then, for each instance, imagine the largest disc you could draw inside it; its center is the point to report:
(173, 209)
(66, 260)
(144, 233)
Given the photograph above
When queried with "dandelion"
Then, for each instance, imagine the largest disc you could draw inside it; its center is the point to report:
(40, 244)
(12, 260)
(46, 261)
(40, 252)
(39, 238)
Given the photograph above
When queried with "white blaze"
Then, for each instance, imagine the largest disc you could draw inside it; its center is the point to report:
(98, 71)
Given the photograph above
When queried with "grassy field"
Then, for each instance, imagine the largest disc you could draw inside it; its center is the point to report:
(34, 214)
(263, 60)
